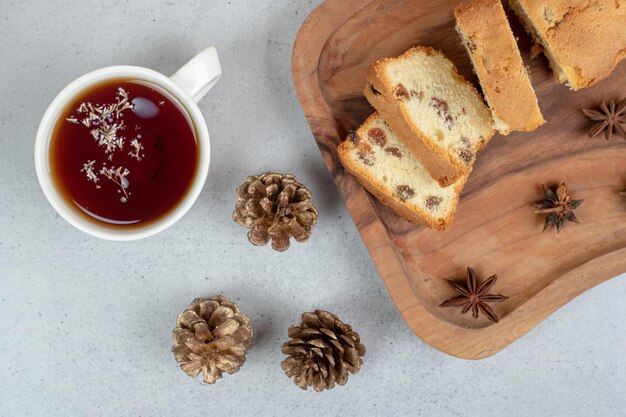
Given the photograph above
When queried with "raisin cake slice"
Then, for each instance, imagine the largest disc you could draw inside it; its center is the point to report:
(386, 168)
(435, 112)
(490, 43)
(583, 40)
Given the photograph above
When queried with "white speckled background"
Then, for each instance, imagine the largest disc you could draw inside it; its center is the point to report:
(85, 325)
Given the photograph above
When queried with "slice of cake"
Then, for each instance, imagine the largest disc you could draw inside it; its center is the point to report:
(435, 112)
(386, 168)
(584, 40)
(486, 34)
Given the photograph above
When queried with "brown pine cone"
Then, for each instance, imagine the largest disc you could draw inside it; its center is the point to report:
(276, 207)
(322, 351)
(211, 336)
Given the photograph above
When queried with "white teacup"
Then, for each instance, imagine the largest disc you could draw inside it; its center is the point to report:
(188, 85)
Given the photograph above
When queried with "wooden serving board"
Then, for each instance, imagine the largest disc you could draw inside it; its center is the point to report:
(495, 230)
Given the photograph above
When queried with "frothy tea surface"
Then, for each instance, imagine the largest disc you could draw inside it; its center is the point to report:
(124, 153)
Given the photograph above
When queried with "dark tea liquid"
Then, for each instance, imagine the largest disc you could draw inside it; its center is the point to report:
(124, 153)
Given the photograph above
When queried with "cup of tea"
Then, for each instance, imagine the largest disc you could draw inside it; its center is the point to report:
(123, 152)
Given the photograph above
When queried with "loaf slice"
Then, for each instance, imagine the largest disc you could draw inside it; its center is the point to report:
(386, 168)
(584, 40)
(435, 112)
(490, 43)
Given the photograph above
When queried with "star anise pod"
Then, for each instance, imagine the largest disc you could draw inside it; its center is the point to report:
(474, 296)
(558, 205)
(609, 118)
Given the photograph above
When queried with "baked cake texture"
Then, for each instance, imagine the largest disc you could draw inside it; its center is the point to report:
(386, 168)
(435, 112)
(584, 40)
(489, 41)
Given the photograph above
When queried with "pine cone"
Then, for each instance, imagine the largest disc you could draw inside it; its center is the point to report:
(322, 351)
(211, 336)
(276, 207)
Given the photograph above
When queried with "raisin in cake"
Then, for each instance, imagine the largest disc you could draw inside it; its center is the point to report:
(486, 34)
(435, 112)
(386, 168)
(584, 40)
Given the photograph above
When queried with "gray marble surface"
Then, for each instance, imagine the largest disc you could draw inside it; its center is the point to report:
(85, 325)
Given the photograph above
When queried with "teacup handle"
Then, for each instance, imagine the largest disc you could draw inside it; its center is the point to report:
(200, 74)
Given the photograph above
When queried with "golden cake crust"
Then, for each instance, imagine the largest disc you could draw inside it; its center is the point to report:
(486, 33)
(584, 39)
(444, 168)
